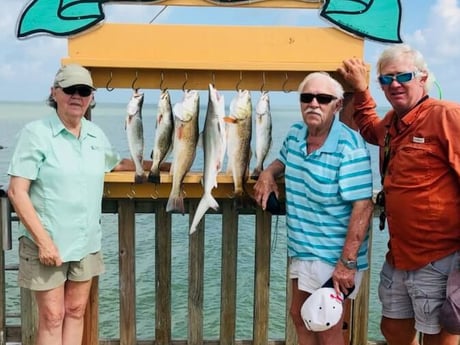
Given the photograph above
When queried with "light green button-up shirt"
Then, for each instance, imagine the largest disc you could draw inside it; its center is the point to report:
(67, 175)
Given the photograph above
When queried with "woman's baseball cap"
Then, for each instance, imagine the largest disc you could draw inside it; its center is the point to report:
(73, 74)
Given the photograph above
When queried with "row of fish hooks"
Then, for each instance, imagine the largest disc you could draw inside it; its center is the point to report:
(237, 86)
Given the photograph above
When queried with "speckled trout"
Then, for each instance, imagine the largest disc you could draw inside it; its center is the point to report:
(135, 133)
(214, 141)
(263, 124)
(164, 130)
(239, 127)
(185, 139)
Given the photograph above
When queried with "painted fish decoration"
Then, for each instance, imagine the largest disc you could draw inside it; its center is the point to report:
(135, 133)
(263, 124)
(378, 20)
(185, 140)
(214, 142)
(239, 128)
(164, 130)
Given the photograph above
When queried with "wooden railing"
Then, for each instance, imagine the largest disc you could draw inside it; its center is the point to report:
(126, 199)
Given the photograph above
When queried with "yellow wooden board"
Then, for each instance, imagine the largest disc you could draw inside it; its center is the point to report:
(192, 56)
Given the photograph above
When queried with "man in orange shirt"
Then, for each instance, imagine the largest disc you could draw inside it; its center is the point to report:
(420, 166)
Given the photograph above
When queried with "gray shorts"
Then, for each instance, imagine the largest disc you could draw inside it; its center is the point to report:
(417, 294)
(35, 276)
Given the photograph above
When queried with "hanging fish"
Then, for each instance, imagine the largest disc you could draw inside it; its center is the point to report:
(164, 130)
(185, 140)
(263, 124)
(213, 140)
(135, 133)
(239, 127)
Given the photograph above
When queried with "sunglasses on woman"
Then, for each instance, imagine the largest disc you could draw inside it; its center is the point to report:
(83, 91)
(401, 78)
(321, 98)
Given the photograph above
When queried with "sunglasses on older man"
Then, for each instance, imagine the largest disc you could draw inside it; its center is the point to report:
(401, 78)
(83, 91)
(321, 98)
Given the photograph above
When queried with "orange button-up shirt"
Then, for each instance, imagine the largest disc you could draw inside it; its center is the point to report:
(422, 180)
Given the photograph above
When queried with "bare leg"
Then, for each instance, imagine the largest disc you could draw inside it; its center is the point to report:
(399, 331)
(442, 338)
(304, 336)
(76, 298)
(50, 305)
(333, 336)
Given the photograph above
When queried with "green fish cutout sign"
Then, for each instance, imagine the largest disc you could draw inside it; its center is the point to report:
(374, 19)
(378, 20)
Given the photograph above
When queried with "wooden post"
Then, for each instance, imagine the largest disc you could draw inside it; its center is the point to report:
(262, 277)
(228, 274)
(91, 320)
(196, 280)
(162, 275)
(29, 317)
(127, 264)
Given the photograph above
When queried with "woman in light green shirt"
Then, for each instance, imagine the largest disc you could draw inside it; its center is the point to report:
(56, 185)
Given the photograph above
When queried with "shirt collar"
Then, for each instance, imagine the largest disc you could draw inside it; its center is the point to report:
(332, 139)
(57, 127)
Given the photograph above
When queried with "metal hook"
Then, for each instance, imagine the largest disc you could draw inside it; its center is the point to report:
(162, 79)
(284, 84)
(237, 87)
(185, 82)
(134, 82)
(110, 89)
(133, 192)
(155, 195)
(263, 82)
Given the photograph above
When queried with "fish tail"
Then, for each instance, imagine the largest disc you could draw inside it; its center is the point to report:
(139, 178)
(154, 175)
(175, 204)
(206, 202)
(256, 172)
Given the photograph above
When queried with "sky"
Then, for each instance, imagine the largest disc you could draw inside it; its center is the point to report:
(28, 66)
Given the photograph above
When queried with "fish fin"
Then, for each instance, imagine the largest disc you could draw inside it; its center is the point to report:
(229, 119)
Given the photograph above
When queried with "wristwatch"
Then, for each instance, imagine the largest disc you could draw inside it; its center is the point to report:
(350, 264)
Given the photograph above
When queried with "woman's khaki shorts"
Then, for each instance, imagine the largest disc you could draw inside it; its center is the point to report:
(34, 275)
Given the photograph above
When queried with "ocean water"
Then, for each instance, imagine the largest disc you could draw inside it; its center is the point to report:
(111, 117)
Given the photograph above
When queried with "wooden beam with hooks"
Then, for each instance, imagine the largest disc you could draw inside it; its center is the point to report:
(248, 56)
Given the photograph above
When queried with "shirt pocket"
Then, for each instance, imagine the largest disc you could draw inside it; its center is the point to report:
(411, 164)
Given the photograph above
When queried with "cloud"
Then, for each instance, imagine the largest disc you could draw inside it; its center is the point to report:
(440, 43)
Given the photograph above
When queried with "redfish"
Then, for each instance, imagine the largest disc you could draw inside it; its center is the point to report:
(185, 140)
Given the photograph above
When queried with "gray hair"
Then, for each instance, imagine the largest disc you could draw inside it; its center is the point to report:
(338, 88)
(397, 50)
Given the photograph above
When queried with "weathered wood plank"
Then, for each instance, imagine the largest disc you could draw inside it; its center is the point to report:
(162, 275)
(196, 280)
(127, 267)
(228, 273)
(91, 319)
(262, 277)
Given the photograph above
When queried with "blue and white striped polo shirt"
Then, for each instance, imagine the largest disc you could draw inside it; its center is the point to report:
(320, 189)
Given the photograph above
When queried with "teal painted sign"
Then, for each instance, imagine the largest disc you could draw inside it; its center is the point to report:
(374, 19)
